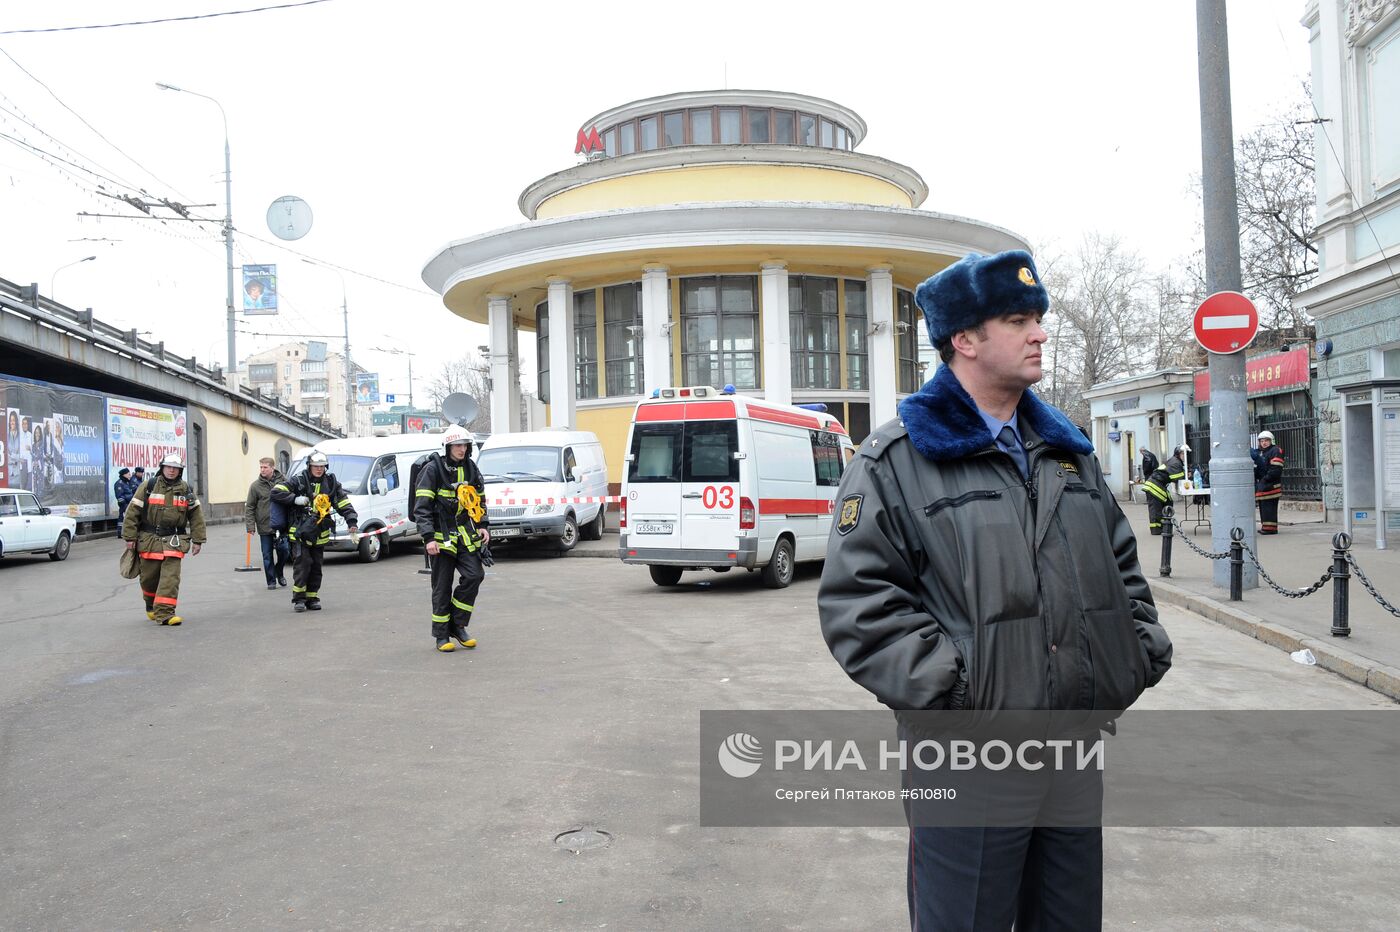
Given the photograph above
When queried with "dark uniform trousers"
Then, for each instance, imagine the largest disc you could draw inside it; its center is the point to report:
(453, 607)
(306, 571)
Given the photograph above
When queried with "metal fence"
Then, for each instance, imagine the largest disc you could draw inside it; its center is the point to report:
(1297, 437)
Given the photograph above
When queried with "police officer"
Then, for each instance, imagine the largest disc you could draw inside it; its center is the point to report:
(1268, 480)
(450, 509)
(1155, 486)
(163, 523)
(314, 495)
(124, 488)
(980, 561)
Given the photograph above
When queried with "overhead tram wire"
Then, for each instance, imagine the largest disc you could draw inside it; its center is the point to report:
(168, 19)
(328, 264)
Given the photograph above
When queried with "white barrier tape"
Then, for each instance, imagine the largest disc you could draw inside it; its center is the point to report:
(576, 500)
(378, 530)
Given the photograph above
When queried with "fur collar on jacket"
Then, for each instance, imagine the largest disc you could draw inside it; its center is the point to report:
(943, 422)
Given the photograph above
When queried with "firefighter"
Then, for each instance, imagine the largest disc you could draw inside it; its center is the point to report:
(163, 523)
(450, 510)
(1268, 481)
(1155, 486)
(312, 496)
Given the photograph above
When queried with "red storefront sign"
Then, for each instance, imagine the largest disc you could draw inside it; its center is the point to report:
(1265, 375)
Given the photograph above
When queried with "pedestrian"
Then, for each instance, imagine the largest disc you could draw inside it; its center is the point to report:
(315, 494)
(258, 518)
(164, 523)
(124, 488)
(138, 474)
(1156, 486)
(1268, 480)
(450, 509)
(979, 561)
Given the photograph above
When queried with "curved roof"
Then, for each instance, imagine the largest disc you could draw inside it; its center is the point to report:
(783, 100)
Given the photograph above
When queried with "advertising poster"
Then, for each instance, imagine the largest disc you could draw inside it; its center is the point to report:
(367, 388)
(140, 434)
(53, 446)
(259, 289)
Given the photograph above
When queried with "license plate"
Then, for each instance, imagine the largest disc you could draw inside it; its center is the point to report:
(504, 531)
(648, 528)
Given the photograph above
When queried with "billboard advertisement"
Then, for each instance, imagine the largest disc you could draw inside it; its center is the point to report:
(367, 388)
(140, 434)
(259, 289)
(53, 446)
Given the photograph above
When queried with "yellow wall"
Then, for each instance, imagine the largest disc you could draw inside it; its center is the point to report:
(231, 470)
(725, 183)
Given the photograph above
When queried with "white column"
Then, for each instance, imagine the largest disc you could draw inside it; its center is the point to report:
(777, 343)
(563, 393)
(500, 325)
(883, 361)
(514, 401)
(656, 328)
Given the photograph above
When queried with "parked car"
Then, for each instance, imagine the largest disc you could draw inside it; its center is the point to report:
(28, 527)
(560, 479)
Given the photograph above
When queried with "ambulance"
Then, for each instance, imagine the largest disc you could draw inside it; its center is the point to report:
(716, 480)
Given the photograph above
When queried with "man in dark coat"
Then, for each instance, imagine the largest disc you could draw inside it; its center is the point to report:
(257, 519)
(980, 562)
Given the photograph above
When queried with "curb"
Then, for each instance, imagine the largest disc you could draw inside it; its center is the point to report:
(1375, 676)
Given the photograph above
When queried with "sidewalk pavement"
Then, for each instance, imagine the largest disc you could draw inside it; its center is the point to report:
(1296, 558)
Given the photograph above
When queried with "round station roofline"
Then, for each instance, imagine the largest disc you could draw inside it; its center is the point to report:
(781, 100)
(655, 160)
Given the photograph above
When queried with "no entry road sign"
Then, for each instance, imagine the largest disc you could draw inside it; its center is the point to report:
(1226, 322)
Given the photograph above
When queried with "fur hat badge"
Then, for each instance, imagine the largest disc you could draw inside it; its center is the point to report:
(978, 287)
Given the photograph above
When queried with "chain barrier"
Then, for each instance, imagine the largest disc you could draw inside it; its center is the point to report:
(1286, 593)
(1186, 538)
(1365, 581)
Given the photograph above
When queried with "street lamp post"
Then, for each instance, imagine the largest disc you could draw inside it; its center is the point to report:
(349, 370)
(228, 226)
(52, 295)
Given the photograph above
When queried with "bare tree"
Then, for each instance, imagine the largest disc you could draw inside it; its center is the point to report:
(467, 375)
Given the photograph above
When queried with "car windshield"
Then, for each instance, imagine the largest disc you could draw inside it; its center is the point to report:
(352, 471)
(521, 464)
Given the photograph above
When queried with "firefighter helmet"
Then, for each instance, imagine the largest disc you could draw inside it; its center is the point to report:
(455, 434)
(1182, 448)
(173, 459)
(317, 458)
(1266, 435)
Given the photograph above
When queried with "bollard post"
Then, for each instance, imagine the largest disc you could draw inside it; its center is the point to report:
(1166, 568)
(1236, 564)
(1341, 576)
(247, 566)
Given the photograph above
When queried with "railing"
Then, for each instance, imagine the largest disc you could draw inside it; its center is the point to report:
(1297, 437)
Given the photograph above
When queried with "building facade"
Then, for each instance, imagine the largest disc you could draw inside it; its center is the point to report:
(711, 238)
(1140, 412)
(1355, 299)
(310, 379)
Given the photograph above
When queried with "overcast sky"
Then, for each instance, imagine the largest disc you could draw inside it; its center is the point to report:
(410, 124)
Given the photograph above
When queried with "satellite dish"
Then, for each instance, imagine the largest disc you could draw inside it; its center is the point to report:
(460, 408)
(289, 218)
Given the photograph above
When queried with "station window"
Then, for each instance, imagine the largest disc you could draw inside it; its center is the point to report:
(906, 312)
(702, 127)
(841, 137)
(812, 329)
(674, 129)
(731, 126)
(758, 125)
(622, 338)
(627, 138)
(585, 343)
(719, 330)
(857, 326)
(650, 138)
(610, 142)
(807, 129)
(828, 138)
(783, 133)
(542, 350)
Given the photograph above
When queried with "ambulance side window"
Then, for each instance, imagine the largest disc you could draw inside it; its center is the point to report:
(826, 451)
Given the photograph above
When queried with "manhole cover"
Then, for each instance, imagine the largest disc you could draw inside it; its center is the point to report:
(581, 839)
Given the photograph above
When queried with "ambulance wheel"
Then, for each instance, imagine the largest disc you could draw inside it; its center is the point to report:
(594, 529)
(371, 548)
(665, 575)
(569, 539)
(778, 573)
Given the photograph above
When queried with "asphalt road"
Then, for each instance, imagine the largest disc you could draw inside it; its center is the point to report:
(260, 769)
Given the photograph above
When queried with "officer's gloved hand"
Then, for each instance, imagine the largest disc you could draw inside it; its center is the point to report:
(301, 500)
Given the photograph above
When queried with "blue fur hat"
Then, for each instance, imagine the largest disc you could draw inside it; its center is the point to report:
(978, 287)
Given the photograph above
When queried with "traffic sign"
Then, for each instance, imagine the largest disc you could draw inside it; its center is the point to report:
(388, 399)
(1226, 322)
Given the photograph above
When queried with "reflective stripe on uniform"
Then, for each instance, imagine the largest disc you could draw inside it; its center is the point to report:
(423, 493)
(153, 555)
(440, 619)
(164, 600)
(1155, 489)
(464, 606)
(313, 595)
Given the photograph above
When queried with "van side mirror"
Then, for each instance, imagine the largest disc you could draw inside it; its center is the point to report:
(569, 475)
(382, 485)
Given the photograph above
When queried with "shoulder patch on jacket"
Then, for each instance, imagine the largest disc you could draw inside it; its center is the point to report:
(882, 438)
(1068, 466)
(850, 514)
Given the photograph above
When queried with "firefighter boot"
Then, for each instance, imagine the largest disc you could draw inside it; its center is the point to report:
(446, 646)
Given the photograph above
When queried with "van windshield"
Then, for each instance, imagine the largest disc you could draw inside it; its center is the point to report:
(521, 464)
(352, 471)
(690, 451)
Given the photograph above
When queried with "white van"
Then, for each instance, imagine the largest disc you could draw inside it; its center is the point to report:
(717, 480)
(545, 485)
(376, 473)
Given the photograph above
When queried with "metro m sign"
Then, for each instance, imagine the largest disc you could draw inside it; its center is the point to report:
(588, 141)
(1226, 322)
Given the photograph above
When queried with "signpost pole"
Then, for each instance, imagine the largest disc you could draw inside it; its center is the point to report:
(1231, 469)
